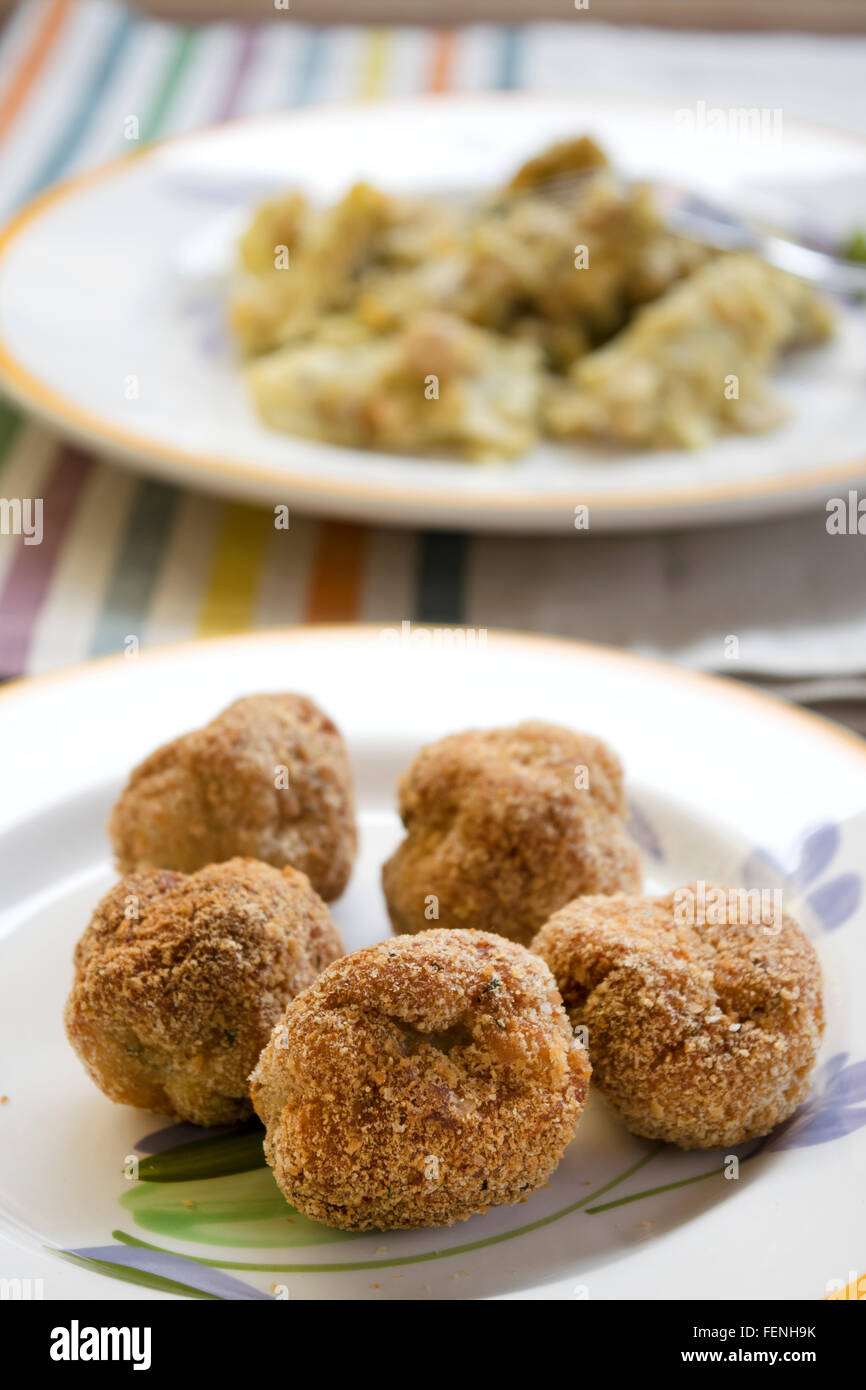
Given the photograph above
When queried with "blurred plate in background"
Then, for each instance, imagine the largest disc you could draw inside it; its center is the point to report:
(120, 277)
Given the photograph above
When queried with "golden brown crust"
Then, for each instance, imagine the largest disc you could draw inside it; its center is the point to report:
(420, 1081)
(216, 793)
(700, 1034)
(179, 980)
(500, 834)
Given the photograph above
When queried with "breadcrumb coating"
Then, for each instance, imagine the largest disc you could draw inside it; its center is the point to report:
(420, 1081)
(268, 779)
(702, 1035)
(179, 980)
(501, 836)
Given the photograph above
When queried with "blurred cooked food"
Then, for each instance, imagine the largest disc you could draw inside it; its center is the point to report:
(363, 390)
(560, 304)
(695, 363)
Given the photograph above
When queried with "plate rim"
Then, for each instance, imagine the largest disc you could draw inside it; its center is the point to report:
(722, 686)
(37, 396)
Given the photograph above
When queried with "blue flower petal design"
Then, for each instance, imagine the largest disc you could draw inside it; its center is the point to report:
(831, 1112)
(174, 1267)
(848, 1084)
(173, 1135)
(818, 849)
(820, 1129)
(831, 903)
(643, 833)
(832, 1070)
(834, 902)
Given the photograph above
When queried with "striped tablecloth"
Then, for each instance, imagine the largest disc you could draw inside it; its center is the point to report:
(124, 555)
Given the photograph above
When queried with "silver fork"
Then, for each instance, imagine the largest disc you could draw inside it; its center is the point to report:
(700, 218)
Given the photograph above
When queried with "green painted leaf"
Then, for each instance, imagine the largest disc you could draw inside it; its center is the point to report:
(237, 1209)
(207, 1158)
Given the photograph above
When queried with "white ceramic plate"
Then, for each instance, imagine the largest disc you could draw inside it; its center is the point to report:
(715, 775)
(113, 286)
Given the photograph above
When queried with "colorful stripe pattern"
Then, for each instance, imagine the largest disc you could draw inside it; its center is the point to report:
(138, 558)
(130, 557)
(45, 35)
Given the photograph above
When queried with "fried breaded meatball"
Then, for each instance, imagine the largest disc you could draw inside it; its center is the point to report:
(179, 980)
(269, 778)
(700, 1034)
(420, 1081)
(504, 827)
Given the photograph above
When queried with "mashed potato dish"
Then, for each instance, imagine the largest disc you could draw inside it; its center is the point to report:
(560, 305)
